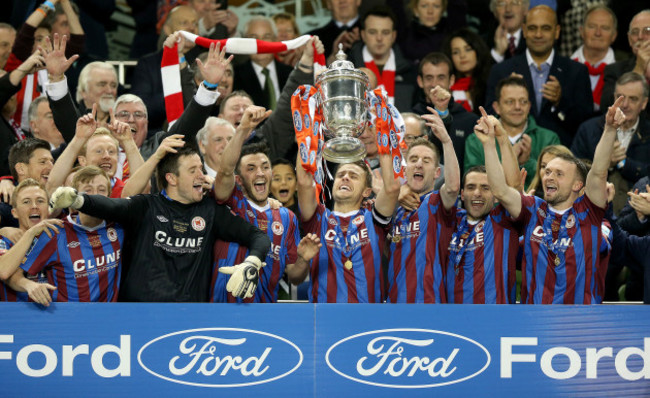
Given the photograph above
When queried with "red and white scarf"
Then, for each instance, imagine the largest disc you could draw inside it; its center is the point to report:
(171, 71)
(28, 92)
(386, 78)
(459, 91)
(596, 72)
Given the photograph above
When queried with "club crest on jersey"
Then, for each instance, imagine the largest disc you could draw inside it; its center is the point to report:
(73, 244)
(277, 228)
(331, 221)
(112, 234)
(250, 213)
(570, 221)
(358, 220)
(162, 219)
(198, 223)
(297, 121)
(479, 226)
(541, 212)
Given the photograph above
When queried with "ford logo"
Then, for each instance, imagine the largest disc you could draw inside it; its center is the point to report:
(220, 357)
(407, 358)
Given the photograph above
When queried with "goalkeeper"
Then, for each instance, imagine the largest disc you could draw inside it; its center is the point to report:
(170, 235)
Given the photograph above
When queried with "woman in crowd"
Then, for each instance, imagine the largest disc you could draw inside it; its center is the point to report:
(472, 61)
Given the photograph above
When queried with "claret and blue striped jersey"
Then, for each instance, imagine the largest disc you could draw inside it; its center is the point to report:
(578, 274)
(281, 226)
(415, 258)
(480, 260)
(347, 268)
(84, 264)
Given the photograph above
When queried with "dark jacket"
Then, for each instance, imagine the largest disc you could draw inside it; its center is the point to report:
(576, 102)
(328, 33)
(246, 79)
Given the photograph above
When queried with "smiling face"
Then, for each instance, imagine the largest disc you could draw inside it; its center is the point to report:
(510, 14)
(254, 176)
(477, 196)
(422, 169)
(233, 110)
(135, 114)
(560, 183)
(39, 166)
(435, 75)
(634, 102)
(541, 30)
(463, 56)
(101, 88)
(30, 207)
(101, 151)
(513, 106)
(283, 185)
(187, 186)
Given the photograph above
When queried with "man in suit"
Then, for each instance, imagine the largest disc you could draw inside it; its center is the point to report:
(342, 29)
(508, 38)
(261, 77)
(560, 92)
(639, 38)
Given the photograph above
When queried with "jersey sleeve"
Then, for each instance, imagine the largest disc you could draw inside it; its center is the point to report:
(447, 216)
(595, 214)
(40, 253)
(127, 211)
(293, 239)
(313, 224)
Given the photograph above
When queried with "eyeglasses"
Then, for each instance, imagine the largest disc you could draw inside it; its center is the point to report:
(515, 3)
(645, 32)
(126, 115)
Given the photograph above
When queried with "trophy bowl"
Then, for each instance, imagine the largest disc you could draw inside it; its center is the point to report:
(342, 99)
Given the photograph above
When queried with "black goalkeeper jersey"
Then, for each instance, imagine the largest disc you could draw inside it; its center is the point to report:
(168, 246)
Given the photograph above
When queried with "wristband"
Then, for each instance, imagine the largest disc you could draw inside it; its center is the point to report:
(443, 114)
(620, 164)
(48, 4)
(210, 86)
(301, 65)
(181, 60)
(41, 10)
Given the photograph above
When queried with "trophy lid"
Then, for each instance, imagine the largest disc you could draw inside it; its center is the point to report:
(342, 67)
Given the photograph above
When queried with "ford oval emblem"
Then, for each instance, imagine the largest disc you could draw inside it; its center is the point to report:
(220, 357)
(407, 358)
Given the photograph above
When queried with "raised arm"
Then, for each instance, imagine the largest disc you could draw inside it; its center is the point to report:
(451, 187)
(508, 157)
(508, 196)
(138, 182)
(73, 18)
(86, 126)
(306, 192)
(224, 183)
(122, 132)
(596, 184)
(389, 192)
(308, 248)
(31, 65)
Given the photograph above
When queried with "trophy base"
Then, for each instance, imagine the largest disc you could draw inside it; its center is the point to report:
(344, 150)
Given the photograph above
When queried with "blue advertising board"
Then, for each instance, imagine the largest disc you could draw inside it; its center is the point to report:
(323, 350)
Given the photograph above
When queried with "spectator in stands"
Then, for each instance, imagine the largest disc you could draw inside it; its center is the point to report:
(343, 28)
(635, 219)
(527, 138)
(212, 140)
(7, 38)
(214, 21)
(426, 31)
(571, 16)
(147, 77)
(638, 35)
(283, 185)
(98, 146)
(233, 105)
(287, 28)
(560, 91)
(41, 122)
(598, 32)
(225, 87)
(378, 53)
(435, 77)
(29, 206)
(261, 77)
(508, 38)
(472, 64)
(629, 160)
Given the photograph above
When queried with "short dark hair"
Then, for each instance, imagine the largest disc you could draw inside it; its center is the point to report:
(22, 151)
(364, 166)
(170, 163)
(284, 161)
(581, 168)
(88, 173)
(381, 12)
(424, 141)
(435, 58)
(236, 93)
(250, 149)
(474, 169)
(509, 81)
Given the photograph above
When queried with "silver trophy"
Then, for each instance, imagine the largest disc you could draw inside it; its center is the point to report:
(342, 98)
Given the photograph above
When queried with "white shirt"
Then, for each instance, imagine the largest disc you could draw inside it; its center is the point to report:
(272, 74)
(498, 57)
